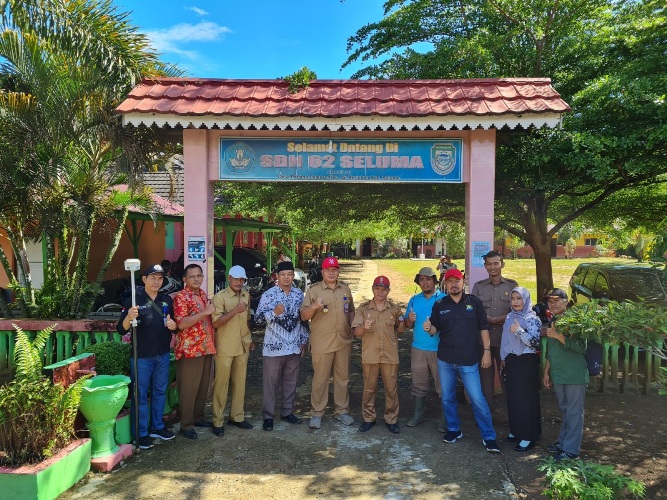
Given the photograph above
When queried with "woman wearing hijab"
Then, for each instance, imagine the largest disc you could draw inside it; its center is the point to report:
(518, 352)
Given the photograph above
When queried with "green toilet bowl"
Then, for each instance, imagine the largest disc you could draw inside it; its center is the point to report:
(101, 400)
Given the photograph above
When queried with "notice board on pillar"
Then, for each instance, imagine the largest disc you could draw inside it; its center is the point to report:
(341, 160)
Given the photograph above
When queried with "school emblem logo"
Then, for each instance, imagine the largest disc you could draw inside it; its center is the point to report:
(443, 158)
(239, 157)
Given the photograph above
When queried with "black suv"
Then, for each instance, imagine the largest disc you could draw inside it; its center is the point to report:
(592, 281)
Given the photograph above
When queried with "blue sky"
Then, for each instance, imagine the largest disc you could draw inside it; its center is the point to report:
(253, 38)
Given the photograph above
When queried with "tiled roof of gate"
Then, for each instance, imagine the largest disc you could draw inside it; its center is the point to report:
(340, 98)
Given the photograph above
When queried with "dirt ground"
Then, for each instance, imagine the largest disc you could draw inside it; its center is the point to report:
(626, 430)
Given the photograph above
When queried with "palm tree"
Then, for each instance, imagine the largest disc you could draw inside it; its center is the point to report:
(67, 65)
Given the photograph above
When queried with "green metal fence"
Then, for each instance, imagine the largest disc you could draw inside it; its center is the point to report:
(625, 369)
(61, 345)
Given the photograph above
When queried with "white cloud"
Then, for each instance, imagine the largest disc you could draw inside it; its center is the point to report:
(198, 11)
(171, 39)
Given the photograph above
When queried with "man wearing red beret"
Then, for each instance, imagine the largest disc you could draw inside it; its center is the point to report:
(378, 322)
(329, 307)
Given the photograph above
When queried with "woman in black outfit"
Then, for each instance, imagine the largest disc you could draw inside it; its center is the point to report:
(521, 366)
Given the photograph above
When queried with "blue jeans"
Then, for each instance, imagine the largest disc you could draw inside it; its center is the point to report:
(153, 375)
(470, 377)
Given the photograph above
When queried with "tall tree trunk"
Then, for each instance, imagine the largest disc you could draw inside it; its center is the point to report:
(26, 297)
(543, 268)
(538, 237)
(81, 265)
(4, 308)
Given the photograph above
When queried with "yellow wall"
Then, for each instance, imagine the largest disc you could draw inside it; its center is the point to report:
(582, 241)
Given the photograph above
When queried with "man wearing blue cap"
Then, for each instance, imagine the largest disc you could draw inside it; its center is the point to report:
(154, 312)
(233, 344)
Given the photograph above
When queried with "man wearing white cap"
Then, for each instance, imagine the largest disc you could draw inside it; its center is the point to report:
(233, 344)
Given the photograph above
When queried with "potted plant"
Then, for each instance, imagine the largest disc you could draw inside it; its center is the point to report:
(39, 454)
(610, 323)
(636, 323)
(102, 398)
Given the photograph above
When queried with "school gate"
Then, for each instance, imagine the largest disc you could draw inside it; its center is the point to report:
(403, 131)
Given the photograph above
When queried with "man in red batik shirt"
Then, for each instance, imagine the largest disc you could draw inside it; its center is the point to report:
(194, 350)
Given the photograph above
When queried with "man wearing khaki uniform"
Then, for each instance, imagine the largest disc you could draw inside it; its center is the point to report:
(232, 344)
(378, 323)
(329, 307)
(495, 292)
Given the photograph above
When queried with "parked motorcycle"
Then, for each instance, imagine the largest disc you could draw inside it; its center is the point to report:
(314, 271)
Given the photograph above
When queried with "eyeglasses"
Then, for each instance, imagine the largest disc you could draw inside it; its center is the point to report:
(195, 276)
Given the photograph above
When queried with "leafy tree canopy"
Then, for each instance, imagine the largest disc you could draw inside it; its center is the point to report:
(64, 67)
(607, 59)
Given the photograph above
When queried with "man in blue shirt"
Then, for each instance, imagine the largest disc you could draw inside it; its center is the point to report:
(461, 320)
(423, 356)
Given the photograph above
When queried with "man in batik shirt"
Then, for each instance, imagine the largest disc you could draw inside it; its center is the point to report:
(194, 350)
(285, 342)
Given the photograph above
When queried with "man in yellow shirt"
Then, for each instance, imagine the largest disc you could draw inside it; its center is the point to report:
(233, 344)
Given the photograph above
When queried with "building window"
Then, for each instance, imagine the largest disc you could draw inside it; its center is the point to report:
(591, 242)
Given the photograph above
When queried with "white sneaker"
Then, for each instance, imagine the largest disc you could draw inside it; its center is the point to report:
(315, 422)
(345, 418)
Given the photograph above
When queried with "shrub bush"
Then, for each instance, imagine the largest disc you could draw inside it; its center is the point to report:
(111, 358)
(576, 479)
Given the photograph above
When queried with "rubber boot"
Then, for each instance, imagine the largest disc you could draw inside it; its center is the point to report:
(418, 417)
(443, 425)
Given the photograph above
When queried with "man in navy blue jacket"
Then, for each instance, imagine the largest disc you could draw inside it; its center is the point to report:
(461, 320)
(154, 312)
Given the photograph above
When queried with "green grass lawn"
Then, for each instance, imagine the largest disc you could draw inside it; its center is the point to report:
(521, 270)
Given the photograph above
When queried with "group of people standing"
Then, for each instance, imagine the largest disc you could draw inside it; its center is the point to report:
(194, 319)
(456, 335)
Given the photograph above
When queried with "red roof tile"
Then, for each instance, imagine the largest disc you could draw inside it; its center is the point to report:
(338, 98)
